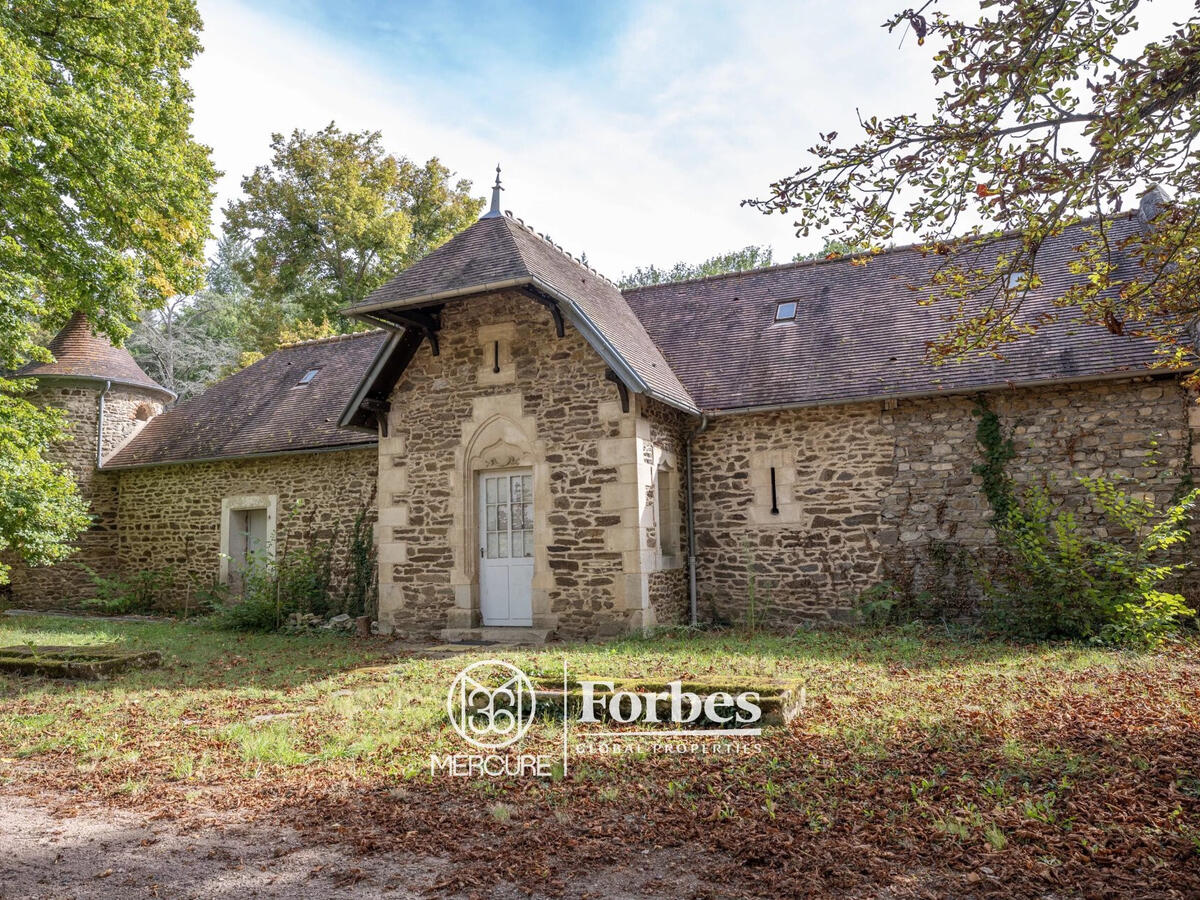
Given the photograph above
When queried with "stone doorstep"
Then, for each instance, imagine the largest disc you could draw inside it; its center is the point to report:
(508, 636)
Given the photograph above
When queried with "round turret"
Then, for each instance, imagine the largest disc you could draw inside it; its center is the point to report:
(107, 398)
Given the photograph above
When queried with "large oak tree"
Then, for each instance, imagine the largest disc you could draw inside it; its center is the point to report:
(333, 215)
(104, 207)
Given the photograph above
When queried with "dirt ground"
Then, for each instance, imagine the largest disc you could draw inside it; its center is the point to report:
(52, 847)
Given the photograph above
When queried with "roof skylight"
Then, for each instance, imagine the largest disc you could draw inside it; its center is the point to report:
(785, 311)
(308, 376)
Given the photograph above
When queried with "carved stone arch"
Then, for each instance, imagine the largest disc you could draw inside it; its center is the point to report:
(498, 443)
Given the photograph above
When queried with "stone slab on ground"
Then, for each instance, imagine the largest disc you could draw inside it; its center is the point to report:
(81, 661)
(81, 614)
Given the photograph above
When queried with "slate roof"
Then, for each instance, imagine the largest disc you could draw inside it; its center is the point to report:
(499, 252)
(261, 410)
(711, 344)
(78, 353)
(859, 333)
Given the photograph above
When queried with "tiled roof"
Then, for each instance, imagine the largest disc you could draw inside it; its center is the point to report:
(860, 334)
(262, 409)
(78, 353)
(498, 252)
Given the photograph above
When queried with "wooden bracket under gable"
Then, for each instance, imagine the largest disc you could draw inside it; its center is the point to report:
(379, 409)
(552, 305)
(426, 321)
(622, 390)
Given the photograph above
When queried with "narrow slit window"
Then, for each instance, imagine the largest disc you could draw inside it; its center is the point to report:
(785, 311)
(774, 494)
(308, 376)
(667, 514)
(495, 357)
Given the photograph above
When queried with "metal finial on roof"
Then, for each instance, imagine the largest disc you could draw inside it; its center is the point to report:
(494, 212)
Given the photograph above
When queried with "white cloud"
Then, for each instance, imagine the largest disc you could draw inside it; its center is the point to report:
(643, 155)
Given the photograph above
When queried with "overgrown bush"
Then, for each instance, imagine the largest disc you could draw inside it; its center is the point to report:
(141, 593)
(1058, 577)
(272, 590)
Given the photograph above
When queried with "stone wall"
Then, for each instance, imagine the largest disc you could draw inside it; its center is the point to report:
(67, 584)
(935, 511)
(813, 550)
(549, 409)
(882, 491)
(663, 432)
(171, 515)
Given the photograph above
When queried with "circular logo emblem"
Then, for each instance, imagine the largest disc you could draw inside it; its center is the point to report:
(491, 704)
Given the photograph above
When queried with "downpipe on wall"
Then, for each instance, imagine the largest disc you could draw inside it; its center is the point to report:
(100, 426)
(691, 521)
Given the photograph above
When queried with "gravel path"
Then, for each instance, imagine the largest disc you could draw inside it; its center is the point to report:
(59, 852)
(51, 847)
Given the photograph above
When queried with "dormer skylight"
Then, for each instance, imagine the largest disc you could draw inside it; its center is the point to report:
(308, 377)
(785, 311)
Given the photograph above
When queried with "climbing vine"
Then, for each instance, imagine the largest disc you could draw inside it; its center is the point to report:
(1103, 576)
(997, 452)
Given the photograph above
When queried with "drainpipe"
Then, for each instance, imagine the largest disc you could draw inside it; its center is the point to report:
(691, 520)
(100, 427)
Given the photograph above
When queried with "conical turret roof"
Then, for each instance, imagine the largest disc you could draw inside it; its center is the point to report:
(79, 353)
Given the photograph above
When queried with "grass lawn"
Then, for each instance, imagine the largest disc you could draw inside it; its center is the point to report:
(920, 763)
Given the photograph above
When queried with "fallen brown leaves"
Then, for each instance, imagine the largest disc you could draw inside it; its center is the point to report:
(1084, 785)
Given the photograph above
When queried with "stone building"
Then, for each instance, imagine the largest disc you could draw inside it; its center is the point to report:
(546, 454)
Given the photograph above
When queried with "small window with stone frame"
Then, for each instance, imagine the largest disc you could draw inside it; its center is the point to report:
(666, 496)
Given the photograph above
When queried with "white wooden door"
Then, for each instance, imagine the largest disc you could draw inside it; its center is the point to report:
(506, 547)
(247, 541)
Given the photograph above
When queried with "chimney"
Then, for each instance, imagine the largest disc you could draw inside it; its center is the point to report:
(1151, 204)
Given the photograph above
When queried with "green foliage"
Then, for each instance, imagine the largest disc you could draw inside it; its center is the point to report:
(104, 207)
(997, 452)
(296, 581)
(878, 604)
(1043, 113)
(331, 217)
(1060, 579)
(40, 509)
(744, 260)
(833, 248)
(273, 590)
(140, 593)
(362, 591)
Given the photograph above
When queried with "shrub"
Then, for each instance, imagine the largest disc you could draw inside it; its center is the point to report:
(140, 593)
(1058, 579)
(273, 590)
(362, 589)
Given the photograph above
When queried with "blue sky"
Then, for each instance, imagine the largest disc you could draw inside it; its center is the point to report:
(629, 131)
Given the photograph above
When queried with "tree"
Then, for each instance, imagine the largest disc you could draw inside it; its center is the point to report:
(832, 249)
(1051, 113)
(200, 338)
(750, 257)
(104, 208)
(333, 215)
